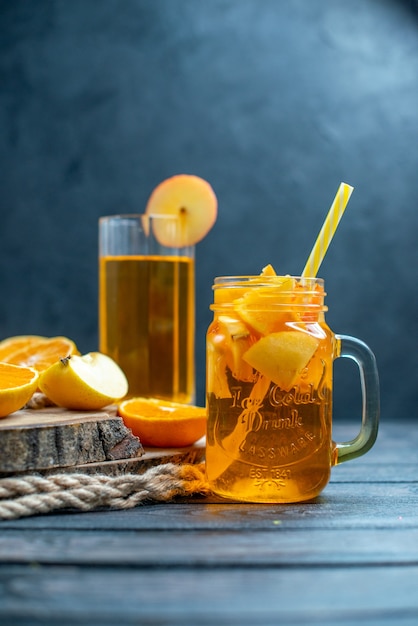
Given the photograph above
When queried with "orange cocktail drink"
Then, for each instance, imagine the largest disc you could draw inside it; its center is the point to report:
(270, 360)
(269, 390)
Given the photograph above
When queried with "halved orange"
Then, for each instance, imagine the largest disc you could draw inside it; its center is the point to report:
(163, 424)
(17, 384)
(43, 353)
(12, 344)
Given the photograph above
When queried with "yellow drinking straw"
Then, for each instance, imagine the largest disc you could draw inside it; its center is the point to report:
(327, 231)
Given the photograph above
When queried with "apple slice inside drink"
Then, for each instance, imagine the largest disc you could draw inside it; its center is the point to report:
(216, 376)
(268, 270)
(192, 200)
(237, 341)
(281, 357)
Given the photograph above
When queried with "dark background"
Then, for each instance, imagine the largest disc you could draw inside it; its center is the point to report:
(274, 102)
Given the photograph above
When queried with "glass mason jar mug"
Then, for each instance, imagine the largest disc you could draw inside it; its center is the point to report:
(270, 361)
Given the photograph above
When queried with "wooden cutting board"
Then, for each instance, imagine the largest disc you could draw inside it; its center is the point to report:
(56, 439)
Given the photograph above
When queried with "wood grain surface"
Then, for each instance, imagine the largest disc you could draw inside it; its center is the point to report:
(53, 437)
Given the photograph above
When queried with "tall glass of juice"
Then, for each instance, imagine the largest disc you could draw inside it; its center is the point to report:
(147, 304)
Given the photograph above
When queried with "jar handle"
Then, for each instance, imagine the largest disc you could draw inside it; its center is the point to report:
(360, 353)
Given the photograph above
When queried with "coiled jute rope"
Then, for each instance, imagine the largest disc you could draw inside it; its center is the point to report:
(34, 494)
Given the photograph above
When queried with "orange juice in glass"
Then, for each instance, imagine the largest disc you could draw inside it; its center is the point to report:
(147, 305)
(270, 357)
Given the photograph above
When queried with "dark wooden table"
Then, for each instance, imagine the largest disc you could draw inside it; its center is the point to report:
(349, 557)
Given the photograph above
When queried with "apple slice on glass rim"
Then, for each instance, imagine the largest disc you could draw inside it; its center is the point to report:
(192, 200)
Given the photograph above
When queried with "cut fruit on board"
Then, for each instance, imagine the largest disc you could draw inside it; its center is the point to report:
(17, 385)
(12, 344)
(43, 353)
(87, 382)
(163, 424)
(55, 440)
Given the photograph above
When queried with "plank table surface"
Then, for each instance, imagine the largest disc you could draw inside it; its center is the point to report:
(347, 557)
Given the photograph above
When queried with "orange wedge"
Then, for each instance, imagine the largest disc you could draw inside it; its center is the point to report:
(17, 384)
(163, 424)
(43, 353)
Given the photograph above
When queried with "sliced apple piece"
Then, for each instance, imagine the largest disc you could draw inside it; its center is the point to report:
(190, 198)
(228, 295)
(234, 327)
(86, 382)
(268, 271)
(282, 356)
(216, 378)
(240, 369)
(258, 307)
(238, 341)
